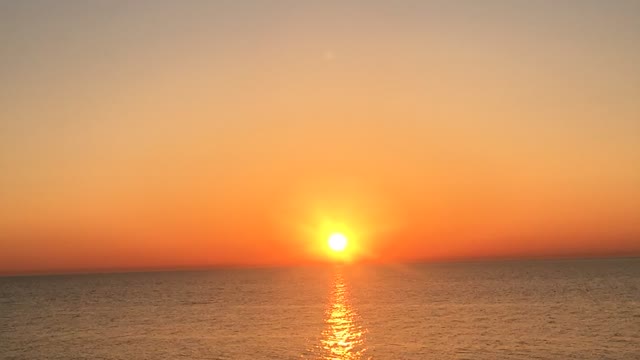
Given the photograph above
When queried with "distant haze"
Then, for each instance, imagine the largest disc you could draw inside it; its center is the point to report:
(187, 133)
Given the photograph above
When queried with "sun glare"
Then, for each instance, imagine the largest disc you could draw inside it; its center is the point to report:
(337, 242)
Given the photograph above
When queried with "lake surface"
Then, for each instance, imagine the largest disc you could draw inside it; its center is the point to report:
(579, 309)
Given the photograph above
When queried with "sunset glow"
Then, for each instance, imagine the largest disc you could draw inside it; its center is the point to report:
(171, 134)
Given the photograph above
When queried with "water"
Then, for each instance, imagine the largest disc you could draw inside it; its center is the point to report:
(587, 309)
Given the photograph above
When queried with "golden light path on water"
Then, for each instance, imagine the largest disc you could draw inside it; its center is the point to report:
(343, 337)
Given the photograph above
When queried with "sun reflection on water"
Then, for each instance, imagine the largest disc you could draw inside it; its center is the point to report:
(343, 337)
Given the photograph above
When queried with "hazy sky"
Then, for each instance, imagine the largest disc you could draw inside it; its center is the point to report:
(157, 133)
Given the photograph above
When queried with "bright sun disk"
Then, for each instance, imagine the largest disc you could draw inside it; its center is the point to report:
(337, 242)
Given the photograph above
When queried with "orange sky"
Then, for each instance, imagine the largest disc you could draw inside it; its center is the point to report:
(195, 134)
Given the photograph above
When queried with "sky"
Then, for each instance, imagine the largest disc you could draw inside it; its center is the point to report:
(160, 134)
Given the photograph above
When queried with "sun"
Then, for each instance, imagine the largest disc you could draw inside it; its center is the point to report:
(337, 242)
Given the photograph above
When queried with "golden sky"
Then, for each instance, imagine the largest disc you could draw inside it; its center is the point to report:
(161, 134)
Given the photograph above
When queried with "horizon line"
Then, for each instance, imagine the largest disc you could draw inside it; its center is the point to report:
(239, 266)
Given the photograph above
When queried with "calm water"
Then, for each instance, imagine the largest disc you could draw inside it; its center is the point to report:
(502, 310)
